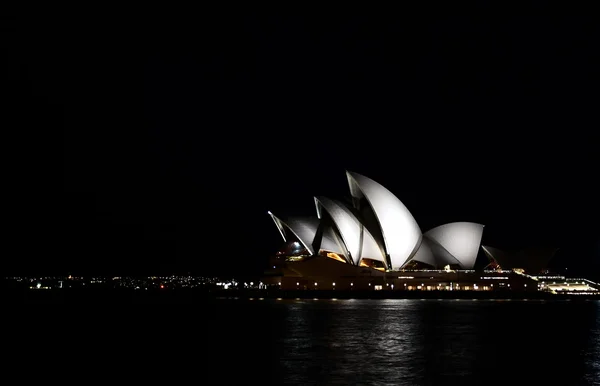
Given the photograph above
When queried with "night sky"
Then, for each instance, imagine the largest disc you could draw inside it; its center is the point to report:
(181, 132)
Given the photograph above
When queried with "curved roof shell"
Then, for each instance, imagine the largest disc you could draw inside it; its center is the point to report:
(305, 230)
(401, 233)
(432, 253)
(533, 260)
(504, 259)
(357, 239)
(460, 239)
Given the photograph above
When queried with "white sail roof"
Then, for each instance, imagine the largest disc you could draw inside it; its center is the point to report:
(401, 233)
(460, 239)
(432, 253)
(305, 229)
(357, 239)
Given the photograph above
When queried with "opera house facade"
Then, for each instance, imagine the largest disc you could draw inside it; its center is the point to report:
(373, 242)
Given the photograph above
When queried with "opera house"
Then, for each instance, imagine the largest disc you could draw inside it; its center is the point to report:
(374, 243)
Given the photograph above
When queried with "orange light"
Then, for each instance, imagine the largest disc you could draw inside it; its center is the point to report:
(335, 256)
(162, 286)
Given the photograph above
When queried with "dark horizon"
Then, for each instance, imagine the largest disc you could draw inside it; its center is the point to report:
(179, 136)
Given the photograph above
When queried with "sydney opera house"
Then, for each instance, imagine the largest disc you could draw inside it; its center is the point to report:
(373, 242)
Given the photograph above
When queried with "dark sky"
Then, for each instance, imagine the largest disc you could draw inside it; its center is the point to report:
(181, 131)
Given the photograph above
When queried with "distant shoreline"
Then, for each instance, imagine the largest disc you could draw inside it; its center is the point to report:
(178, 295)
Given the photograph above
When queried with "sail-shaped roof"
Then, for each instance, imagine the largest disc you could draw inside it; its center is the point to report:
(401, 233)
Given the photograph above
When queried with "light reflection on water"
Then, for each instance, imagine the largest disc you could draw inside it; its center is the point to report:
(592, 352)
(350, 345)
(300, 342)
(413, 342)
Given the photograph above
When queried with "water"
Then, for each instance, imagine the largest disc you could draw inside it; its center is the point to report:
(367, 342)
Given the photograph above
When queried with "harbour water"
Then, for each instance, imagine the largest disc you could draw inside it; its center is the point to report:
(300, 342)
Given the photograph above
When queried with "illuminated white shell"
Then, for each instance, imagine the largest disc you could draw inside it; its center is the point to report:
(460, 239)
(357, 239)
(401, 233)
(305, 230)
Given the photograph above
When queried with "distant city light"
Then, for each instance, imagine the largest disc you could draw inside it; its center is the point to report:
(172, 282)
